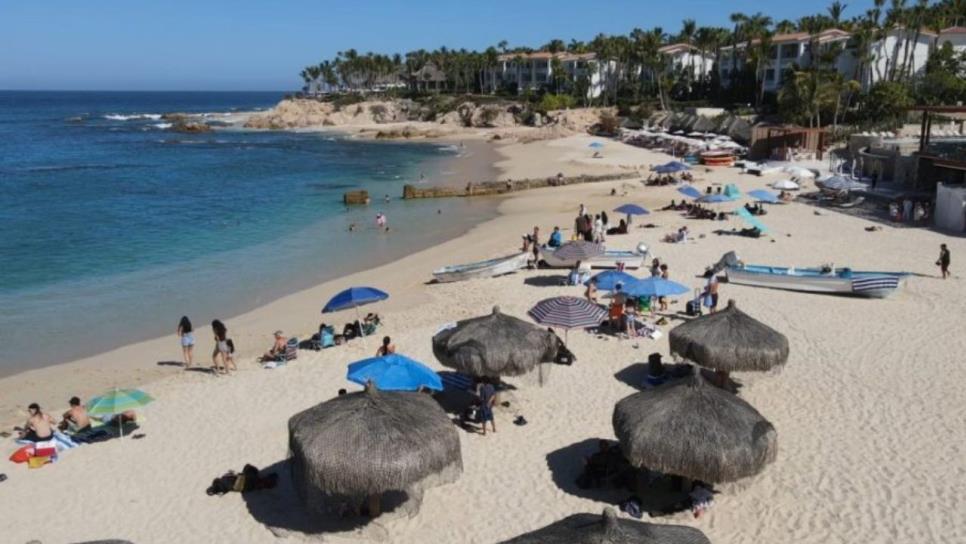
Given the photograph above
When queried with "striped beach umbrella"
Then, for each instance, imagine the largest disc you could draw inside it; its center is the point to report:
(579, 250)
(567, 313)
(117, 402)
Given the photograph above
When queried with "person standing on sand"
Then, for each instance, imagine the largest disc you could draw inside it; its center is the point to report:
(582, 211)
(662, 301)
(487, 395)
(222, 348)
(187, 340)
(943, 261)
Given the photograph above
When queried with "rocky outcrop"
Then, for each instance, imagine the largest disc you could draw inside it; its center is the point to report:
(356, 197)
(731, 125)
(190, 127)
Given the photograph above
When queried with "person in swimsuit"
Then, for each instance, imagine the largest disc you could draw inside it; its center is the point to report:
(39, 426)
(386, 348)
(222, 350)
(278, 348)
(76, 418)
(187, 339)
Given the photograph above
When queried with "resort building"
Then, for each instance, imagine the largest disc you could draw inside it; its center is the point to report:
(535, 71)
(685, 58)
(900, 49)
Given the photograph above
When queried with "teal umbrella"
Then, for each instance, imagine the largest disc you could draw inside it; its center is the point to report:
(750, 219)
(117, 402)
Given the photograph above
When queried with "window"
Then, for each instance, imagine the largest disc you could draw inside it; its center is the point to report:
(770, 74)
(789, 50)
(773, 51)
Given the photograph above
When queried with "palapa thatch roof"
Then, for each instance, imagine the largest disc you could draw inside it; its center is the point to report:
(608, 529)
(691, 428)
(494, 345)
(371, 442)
(729, 340)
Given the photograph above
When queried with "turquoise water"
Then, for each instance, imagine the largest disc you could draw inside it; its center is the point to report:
(113, 227)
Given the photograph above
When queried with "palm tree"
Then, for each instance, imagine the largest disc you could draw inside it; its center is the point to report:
(835, 11)
(688, 29)
(784, 27)
(555, 46)
(739, 20)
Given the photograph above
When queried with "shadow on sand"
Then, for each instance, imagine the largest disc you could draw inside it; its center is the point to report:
(196, 368)
(283, 513)
(556, 280)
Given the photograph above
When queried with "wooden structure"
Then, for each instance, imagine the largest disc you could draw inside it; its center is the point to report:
(936, 165)
(779, 141)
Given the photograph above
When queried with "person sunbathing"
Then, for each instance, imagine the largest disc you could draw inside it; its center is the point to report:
(278, 348)
(38, 427)
(76, 419)
(670, 207)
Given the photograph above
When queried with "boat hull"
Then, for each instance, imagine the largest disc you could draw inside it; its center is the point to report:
(869, 285)
(630, 260)
(482, 269)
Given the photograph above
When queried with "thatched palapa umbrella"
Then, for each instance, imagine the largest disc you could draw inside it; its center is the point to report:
(494, 345)
(693, 429)
(368, 443)
(729, 340)
(608, 529)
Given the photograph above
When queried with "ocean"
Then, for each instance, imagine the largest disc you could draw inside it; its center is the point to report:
(113, 226)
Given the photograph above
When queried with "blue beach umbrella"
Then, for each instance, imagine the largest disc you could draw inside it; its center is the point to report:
(632, 209)
(394, 372)
(654, 287)
(750, 219)
(714, 199)
(596, 145)
(671, 167)
(608, 280)
(354, 297)
(690, 191)
(763, 196)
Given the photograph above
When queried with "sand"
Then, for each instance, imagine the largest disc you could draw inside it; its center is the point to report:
(869, 409)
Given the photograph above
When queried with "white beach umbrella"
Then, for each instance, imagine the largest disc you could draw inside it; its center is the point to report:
(798, 171)
(785, 185)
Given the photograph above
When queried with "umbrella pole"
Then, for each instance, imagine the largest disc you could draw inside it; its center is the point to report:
(362, 329)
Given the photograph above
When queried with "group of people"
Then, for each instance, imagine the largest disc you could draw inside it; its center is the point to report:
(41, 426)
(591, 228)
(222, 357)
(908, 211)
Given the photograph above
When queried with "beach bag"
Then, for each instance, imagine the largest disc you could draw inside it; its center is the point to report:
(23, 454)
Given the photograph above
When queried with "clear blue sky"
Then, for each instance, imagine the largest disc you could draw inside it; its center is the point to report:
(262, 45)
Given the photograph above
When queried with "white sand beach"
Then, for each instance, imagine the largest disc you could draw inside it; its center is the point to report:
(869, 409)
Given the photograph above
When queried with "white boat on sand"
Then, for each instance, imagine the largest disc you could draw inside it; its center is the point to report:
(828, 279)
(611, 258)
(482, 269)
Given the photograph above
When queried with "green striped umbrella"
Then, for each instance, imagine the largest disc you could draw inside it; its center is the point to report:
(117, 402)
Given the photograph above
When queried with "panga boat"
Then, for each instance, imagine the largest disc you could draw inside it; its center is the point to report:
(718, 158)
(611, 258)
(842, 281)
(482, 269)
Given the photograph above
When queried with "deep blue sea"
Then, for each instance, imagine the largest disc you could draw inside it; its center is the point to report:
(112, 227)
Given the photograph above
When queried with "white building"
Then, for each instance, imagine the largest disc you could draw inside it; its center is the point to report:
(684, 58)
(789, 50)
(534, 71)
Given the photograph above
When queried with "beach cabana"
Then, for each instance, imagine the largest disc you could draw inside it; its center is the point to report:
(728, 341)
(363, 445)
(751, 219)
(609, 529)
(494, 345)
(731, 190)
(692, 429)
(716, 198)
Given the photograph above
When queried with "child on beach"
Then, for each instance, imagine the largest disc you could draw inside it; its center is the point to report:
(223, 349)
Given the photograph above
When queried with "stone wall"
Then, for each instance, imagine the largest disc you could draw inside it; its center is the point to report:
(501, 187)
